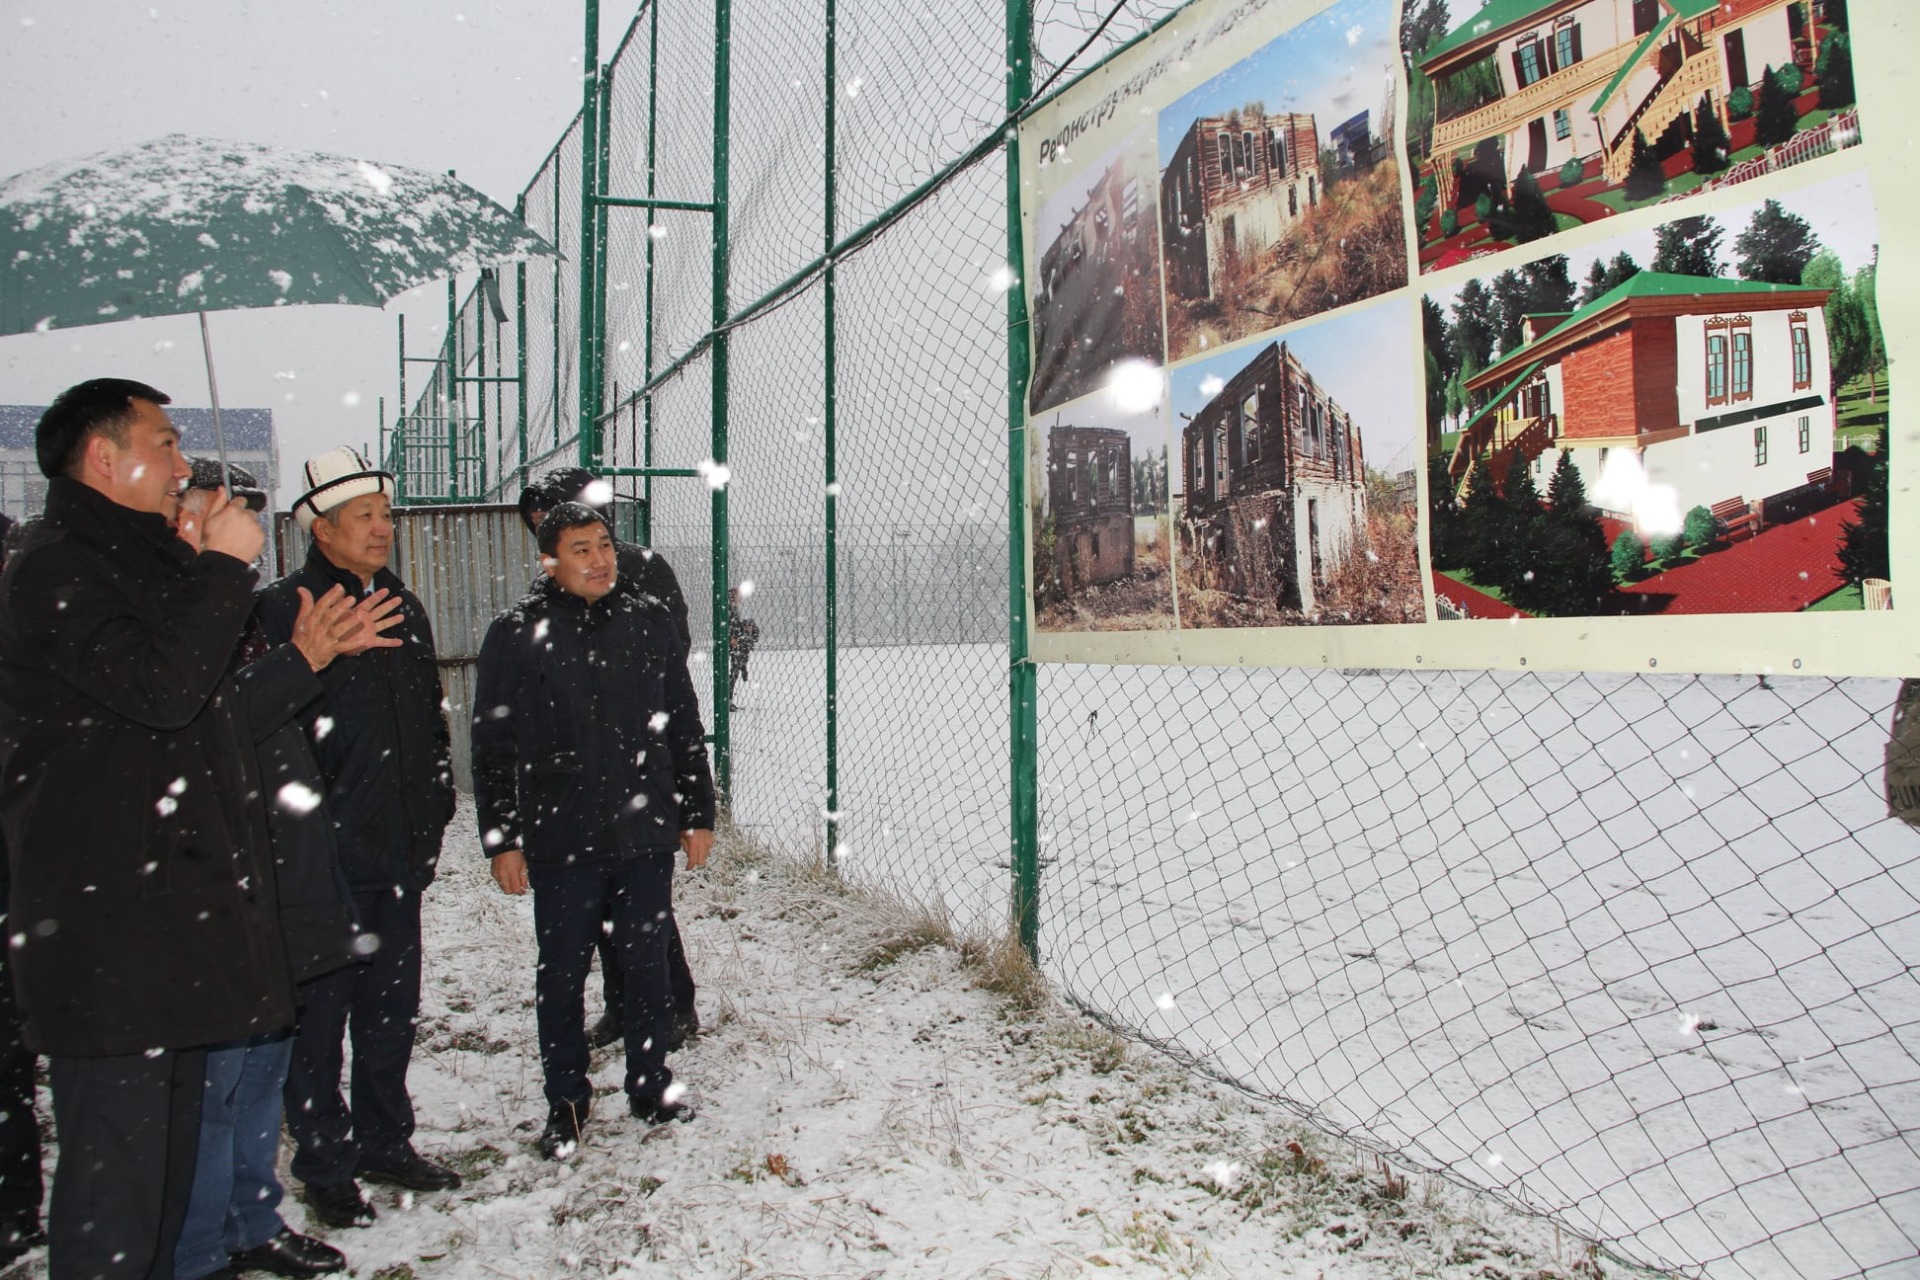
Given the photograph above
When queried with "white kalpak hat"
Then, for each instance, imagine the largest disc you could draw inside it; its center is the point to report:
(337, 476)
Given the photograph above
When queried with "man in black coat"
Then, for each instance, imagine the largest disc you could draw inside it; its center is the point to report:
(643, 571)
(380, 736)
(143, 914)
(590, 771)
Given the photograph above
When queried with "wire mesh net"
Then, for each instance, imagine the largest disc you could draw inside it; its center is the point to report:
(1636, 951)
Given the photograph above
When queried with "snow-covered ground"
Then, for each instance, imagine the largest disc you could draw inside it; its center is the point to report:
(1638, 951)
(865, 1117)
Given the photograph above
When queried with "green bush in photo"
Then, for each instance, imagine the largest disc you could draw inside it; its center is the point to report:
(1449, 223)
(1740, 103)
(1629, 554)
(1571, 172)
(1699, 530)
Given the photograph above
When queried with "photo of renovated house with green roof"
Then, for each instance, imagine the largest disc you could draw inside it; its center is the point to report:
(1672, 440)
(1526, 117)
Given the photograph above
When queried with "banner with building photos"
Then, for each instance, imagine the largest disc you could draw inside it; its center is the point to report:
(1430, 333)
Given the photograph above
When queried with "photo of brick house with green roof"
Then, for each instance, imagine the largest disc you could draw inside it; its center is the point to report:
(1565, 97)
(1718, 388)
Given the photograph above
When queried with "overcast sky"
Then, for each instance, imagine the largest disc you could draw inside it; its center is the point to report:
(483, 87)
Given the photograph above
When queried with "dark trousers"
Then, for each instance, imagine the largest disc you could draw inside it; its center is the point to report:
(377, 999)
(568, 906)
(129, 1132)
(679, 976)
(20, 1184)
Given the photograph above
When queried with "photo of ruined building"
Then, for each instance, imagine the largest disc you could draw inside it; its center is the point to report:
(1236, 185)
(1282, 518)
(1266, 215)
(1090, 497)
(1096, 293)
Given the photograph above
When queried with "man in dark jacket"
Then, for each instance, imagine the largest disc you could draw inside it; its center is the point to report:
(233, 1223)
(643, 571)
(143, 914)
(380, 736)
(590, 770)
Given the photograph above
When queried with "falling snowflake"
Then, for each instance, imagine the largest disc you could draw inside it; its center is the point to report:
(298, 799)
(657, 722)
(322, 726)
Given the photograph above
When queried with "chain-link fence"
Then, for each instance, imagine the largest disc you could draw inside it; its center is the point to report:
(1637, 952)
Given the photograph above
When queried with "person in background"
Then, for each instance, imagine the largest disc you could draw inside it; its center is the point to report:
(646, 572)
(742, 635)
(379, 733)
(233, 1223)
(143, 923)
(590, 771)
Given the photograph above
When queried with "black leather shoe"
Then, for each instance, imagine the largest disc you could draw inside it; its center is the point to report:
(605, 1031)
(290, 1254)
(341, 1205)
(686, 1025)
(414, 1172)
(655, 1111)
(561, 1137)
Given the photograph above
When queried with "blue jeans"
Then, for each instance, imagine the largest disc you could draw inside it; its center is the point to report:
(236, 1198)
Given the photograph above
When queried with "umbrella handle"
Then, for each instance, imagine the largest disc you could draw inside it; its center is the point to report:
(213, 391)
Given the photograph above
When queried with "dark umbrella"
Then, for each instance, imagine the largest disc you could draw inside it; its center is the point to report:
(185, 224)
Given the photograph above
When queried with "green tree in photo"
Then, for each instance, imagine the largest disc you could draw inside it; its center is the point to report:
(1847, 338)
(1436, 395)
(1687, 247)
(1474, 334)
(1712, 149)
(1645, 178)
(1774, 118)
(1530, 218)
(1628, 556)
(1444, 527)
(1518, 559)
(1604, 277)
(1700, 530)
(1776, 246)
(1865, 284)
(1863, 544)
(1835, 72)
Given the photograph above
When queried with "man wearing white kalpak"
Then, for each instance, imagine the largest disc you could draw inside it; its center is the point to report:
(590, 771)
(379, 735)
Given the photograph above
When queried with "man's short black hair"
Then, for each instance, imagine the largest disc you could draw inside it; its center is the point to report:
(564, 484)
(566, 516)
(96, 407)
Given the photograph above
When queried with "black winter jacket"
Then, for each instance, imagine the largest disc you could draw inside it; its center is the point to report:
(587, 741)
(316, 909)
(379, 733)
(143, 893)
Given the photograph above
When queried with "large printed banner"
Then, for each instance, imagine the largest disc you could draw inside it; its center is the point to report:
(1430, 334)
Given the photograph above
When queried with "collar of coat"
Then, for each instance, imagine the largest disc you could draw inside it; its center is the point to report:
(90, 516)
(321, 566)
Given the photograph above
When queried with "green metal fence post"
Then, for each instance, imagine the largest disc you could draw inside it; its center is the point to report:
(830, 421)
(1022, 684)
(653, 171)
(722, 665)
(589, 415)
(450, 366)
(603, 164)
(520, 342)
